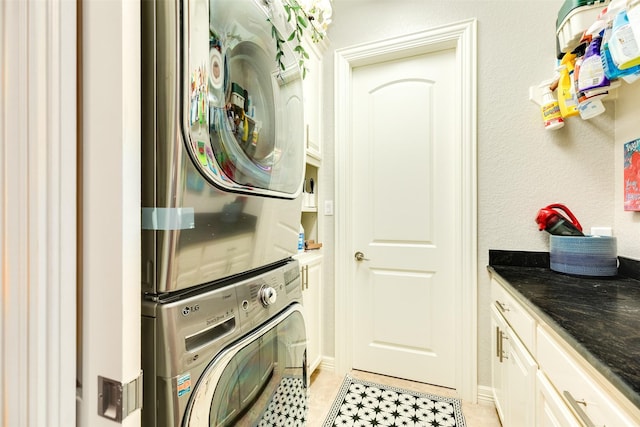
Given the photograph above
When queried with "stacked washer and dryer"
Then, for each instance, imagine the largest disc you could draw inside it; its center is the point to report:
(223, 336)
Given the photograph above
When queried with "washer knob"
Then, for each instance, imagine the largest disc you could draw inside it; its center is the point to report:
(267, 295)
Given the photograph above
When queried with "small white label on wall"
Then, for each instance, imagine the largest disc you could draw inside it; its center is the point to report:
(601, 231)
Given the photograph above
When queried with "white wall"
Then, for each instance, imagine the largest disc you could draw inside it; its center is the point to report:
(522, 167)
(627, 224)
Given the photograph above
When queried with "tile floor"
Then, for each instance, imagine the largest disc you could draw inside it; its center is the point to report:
(325, 386)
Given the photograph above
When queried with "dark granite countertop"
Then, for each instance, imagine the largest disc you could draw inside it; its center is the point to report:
(599, 317)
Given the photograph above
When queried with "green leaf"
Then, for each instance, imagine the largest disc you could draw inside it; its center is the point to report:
(303, 21)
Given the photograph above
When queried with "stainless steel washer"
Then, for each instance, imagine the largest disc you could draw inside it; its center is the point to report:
(232, 355)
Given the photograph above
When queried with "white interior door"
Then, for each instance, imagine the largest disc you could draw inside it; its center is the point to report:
(405, 189)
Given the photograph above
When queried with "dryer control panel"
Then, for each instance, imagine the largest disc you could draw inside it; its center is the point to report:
(198, 326)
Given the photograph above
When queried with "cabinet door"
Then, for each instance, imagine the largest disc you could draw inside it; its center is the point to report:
(513, 374)
(551, 411)
(498, 326)
(521, 382)
(312, 86)
(312, 304)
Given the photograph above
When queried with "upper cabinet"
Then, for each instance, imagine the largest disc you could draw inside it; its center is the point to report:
(312, 87)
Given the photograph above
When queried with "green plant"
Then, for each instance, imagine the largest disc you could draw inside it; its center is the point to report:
(302, 22)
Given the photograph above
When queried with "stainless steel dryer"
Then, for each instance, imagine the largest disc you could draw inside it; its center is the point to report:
(222, 141)
(232, 356)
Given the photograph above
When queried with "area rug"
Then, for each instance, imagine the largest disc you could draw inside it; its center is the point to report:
(364, 404)
(288, 405)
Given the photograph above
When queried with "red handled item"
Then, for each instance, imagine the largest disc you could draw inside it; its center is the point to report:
(555, 223)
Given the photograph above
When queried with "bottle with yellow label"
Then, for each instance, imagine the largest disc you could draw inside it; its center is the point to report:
(551, 116)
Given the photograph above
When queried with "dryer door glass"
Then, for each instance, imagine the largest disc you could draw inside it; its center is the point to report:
(260, 379)
(244, 107)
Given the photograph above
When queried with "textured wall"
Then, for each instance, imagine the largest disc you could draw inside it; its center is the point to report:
(627, 224)
(521, 166)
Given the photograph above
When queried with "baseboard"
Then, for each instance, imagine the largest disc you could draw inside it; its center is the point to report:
(328, 364)
(485, 394)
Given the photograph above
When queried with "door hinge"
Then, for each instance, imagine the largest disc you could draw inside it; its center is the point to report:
(117, 400)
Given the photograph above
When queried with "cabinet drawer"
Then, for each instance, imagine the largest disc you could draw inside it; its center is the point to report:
(520, 321)
(588, 400)
(551, 409)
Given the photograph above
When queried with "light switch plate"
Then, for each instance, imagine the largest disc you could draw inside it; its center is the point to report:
(328, 207)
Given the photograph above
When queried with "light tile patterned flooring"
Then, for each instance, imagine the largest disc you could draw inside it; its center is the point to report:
(325, 386)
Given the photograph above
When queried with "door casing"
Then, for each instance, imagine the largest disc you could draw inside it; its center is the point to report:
(461, 36)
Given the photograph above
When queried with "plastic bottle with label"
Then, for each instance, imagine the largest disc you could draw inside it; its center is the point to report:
(301, 239)
(625, 51)
(633, 15)
(551, 116)
(566, 92)
(605, 22)
(588, 106)
(592, 77)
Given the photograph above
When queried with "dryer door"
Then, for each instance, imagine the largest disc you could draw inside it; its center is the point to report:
(259, 380)
(242, 110)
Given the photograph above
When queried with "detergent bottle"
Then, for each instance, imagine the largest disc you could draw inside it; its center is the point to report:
(611, 70)
(625, 51)
(551, 116)
(566, 91)
(633, 15)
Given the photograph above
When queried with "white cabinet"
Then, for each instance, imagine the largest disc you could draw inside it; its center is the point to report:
(498, 326)
(311, 272)
(312, 86)
(583, 392)
(311, 260)
(532, 363)
(520, 382)
(551, 411)
(513, 374)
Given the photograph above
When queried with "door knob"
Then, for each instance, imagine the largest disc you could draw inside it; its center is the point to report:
(359, 256)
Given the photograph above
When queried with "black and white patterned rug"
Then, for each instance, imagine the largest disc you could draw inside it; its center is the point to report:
(365, 404)
(288, 405)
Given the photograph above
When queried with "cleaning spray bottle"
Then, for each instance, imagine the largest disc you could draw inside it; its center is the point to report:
(551, 116)
(566, 92)
(588, 106)
(592, 79)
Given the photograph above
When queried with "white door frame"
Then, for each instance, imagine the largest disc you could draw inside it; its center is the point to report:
(462, 37)
(38, 212)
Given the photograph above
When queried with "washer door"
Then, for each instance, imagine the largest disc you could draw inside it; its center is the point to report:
(259, 380)
(243, 108)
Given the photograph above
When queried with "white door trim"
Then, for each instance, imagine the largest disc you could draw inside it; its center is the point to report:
(462, 37)
(38, 213)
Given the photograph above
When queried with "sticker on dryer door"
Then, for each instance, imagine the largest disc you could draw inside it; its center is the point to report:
(184, 384)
